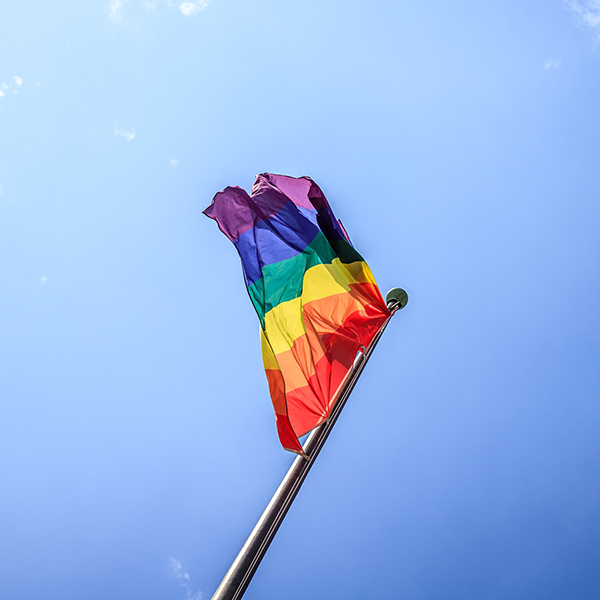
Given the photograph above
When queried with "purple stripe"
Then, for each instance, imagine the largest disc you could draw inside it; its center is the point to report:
(296, 189)
(280, 219)
(236, 212)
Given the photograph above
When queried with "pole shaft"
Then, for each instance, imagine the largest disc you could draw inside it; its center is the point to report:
(242, 570)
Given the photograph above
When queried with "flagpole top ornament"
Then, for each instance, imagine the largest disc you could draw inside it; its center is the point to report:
(396, 299)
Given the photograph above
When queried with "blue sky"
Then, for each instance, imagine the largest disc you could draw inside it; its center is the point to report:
(457, 141)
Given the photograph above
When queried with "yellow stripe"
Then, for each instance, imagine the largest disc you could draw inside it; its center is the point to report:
(360, 271)
(284, 323)
(321, 281)
(269, 360)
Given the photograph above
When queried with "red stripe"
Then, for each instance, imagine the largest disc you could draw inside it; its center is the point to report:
(288, 438)
(302, 409)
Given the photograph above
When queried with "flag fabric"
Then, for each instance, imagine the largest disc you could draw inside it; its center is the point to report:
(316, 299)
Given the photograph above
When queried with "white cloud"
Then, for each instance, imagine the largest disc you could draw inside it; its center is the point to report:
(43, 280)
(128, 135)
(115, 11)
(121, 15)
(191, 8)
(188, 8)
(5, 87)
(176, 570)
(551, 64)
(174, 162)
(588, 12)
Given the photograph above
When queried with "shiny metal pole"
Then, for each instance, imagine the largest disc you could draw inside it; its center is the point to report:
(242, 570)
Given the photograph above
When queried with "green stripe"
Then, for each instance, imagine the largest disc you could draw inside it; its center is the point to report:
(282, 281)
(345, 252)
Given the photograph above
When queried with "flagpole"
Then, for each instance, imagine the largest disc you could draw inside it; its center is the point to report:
(242, 570)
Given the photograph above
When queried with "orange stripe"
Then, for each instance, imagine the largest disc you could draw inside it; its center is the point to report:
(327, 315)
(305, 409)
(298, 363)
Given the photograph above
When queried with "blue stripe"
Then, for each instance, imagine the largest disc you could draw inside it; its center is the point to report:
(281, 236)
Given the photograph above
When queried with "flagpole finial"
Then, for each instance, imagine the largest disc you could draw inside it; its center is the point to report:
(396, 299)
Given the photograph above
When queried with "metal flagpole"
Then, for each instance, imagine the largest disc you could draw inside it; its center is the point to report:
(242, 570)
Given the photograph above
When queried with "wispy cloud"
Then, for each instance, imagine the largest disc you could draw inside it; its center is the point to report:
(174, 162)
(121, 15)
(551, 64)
(177, 571)
(191, 8)
(43, 280)
(115, 11)
(11, 87)
(124, 133)
(588, 12)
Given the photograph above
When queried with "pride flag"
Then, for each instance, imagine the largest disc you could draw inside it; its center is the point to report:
(315, 296)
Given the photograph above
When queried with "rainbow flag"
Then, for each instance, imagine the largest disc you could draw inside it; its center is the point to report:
(315, 296)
